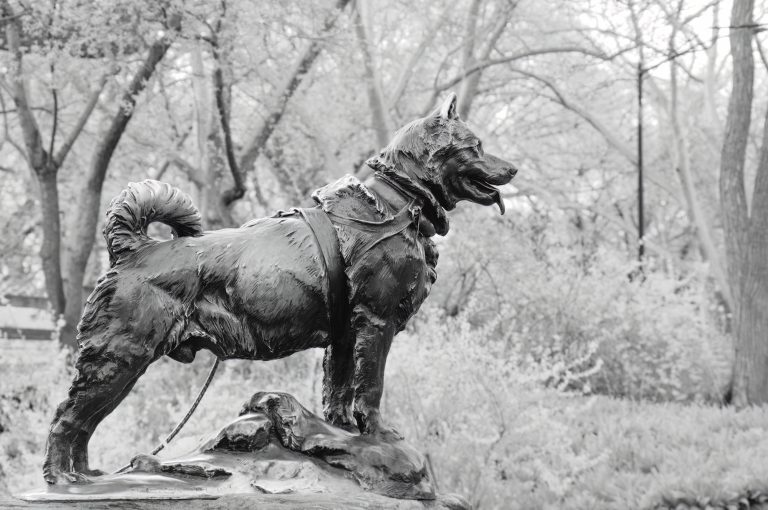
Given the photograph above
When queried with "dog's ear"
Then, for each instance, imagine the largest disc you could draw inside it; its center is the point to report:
(448, 109)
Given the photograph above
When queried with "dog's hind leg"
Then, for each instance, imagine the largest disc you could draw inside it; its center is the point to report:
(106, 374)
(79, 450)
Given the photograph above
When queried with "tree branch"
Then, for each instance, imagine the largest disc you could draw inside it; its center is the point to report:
(7, 133)
(470, 84)
(597, 124)
(257, 143)
(36, 154)
(375, 100)
(124, 114)
(61, 154)
(238, 189)
(407, 71)
(55, 125)
(517, 56)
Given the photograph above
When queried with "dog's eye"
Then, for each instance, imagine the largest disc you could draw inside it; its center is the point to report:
(479, 148)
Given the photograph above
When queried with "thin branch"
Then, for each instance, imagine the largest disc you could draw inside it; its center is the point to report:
(407, 71)
(596, 123)
(61, 154)
(194, 173)
(55, 112)
(33, 108)
(7, 133)
(171, 160)
(238, 190)
(32, 140)
(304, 64)
(761, 52)
(517, 56)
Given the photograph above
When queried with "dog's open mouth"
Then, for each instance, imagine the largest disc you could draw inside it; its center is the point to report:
(489, 193)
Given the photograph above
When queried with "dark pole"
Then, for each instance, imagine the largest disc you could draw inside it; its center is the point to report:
(640, 213)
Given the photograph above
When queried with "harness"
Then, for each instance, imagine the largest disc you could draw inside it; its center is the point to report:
(325, 235)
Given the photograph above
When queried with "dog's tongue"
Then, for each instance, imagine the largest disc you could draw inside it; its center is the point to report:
(499, 201)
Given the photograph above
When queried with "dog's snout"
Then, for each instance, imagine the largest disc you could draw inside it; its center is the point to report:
(499, 171)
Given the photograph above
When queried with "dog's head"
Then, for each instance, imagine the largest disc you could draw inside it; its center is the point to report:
(440, 160)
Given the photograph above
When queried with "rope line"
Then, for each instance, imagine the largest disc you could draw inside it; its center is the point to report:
(186, 418)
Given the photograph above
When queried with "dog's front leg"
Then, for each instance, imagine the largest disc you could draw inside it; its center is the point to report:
(373, 337)
(338, 369)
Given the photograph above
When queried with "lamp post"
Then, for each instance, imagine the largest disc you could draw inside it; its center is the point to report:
(640, 212)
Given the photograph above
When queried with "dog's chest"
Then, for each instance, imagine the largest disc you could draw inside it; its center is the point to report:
(393, 276)
(390, 266)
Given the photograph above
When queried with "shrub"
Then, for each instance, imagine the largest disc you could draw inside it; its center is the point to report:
(655, 338)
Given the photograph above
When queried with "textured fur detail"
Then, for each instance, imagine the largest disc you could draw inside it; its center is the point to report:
(142, 203)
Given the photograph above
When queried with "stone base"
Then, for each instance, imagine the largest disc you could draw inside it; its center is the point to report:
(277, 454)
(359, 501)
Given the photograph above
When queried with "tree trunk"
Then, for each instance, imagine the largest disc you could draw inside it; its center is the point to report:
(375, 99)
(682, 162)
(45, 165)
(50, 249)
(746, 235)
(469, 84)
(750, 383)
(42, 164)
(732, 193)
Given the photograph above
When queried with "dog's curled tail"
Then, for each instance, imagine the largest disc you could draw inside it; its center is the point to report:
(142, 203)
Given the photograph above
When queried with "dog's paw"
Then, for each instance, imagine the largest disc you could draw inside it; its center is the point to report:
(94, 473)
(342, 421)
(54, 477)
(388, 434)
(372, 425)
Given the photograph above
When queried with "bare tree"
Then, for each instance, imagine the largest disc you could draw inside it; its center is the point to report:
(746, 232)
(44, 161)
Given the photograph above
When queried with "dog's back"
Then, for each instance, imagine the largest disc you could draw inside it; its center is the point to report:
(218, 291)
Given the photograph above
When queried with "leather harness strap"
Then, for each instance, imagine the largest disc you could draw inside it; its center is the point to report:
(328, 242)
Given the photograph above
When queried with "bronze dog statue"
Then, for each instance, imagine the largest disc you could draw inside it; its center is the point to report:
(345, 276)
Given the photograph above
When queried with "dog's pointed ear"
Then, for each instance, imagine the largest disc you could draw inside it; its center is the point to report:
(448, 109)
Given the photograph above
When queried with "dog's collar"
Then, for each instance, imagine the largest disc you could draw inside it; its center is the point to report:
(434, 219)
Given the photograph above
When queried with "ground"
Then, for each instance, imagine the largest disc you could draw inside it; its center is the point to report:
(555, 450)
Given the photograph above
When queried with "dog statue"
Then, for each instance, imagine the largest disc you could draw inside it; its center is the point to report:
(345, 276)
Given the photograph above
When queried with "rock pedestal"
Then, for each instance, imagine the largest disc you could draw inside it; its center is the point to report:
(276, 454)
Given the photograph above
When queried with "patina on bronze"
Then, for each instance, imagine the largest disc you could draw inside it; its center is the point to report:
(354, 281)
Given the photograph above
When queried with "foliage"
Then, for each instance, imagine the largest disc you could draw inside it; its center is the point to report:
(492, 433)
(652, 337)
(505, 442)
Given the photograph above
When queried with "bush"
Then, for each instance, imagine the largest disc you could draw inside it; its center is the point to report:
(469, 399)
(495, 435)
(656, 338)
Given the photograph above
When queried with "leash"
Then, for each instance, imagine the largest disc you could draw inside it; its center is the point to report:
(186, 418)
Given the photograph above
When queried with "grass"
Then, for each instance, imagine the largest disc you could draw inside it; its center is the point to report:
(518, 446)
